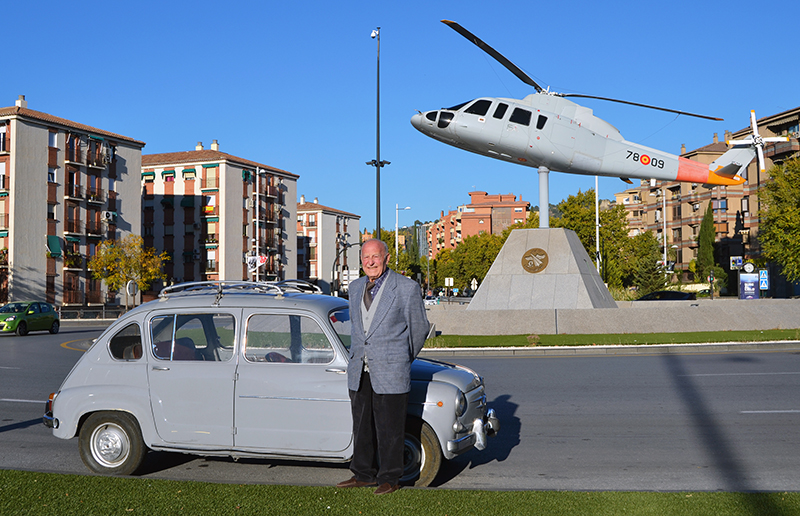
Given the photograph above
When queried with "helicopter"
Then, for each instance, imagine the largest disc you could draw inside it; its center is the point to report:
(547, 131)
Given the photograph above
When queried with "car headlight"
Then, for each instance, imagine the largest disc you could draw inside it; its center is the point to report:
(461, 404)
(12, 318)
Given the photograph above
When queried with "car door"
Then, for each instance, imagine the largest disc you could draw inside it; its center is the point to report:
(33, 317)
(291, 388)
(191, 377)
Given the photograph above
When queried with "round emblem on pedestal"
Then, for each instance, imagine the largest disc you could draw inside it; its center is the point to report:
(534, 260)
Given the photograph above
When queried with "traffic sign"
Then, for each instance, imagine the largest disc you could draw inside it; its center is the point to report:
(763, 279)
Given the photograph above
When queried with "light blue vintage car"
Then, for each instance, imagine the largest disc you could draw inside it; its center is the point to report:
(247, 369)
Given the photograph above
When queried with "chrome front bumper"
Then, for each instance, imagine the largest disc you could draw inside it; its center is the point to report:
(489, 426)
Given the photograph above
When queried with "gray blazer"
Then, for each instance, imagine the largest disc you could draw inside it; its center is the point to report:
(396, 336)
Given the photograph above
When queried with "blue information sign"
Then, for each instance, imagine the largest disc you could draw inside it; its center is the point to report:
(763, 279)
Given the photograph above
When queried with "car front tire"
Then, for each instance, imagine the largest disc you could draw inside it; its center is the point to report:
(22, 329)
(111, 443)
(422, 455)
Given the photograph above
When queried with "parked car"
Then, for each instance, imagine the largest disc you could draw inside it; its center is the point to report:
(430, 300)
(25, 316)
(668, 295)
(248, 370)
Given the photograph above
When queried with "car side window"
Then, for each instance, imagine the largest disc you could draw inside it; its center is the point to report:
(44, 307)
(126, 344)
(34, 308)
(197, 337)
(283, 338)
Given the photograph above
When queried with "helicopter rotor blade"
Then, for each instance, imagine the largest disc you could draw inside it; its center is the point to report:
(639, 105)
(495, 54)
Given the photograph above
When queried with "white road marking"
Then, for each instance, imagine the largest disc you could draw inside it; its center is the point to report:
(21, 401)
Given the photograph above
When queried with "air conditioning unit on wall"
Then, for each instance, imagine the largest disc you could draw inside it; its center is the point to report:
(108, 216)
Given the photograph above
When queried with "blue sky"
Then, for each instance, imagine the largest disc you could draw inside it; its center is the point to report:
(292, 84)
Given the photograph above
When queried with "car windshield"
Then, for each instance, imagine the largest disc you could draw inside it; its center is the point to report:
(14, 308)
(340, 319)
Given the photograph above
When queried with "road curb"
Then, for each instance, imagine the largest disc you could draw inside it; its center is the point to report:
(639, 349)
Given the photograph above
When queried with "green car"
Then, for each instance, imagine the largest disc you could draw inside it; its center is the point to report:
(24, 316)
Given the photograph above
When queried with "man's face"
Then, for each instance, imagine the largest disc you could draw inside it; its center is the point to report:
(374, 260)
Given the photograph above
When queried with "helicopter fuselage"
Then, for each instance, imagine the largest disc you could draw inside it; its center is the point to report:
(544, 130)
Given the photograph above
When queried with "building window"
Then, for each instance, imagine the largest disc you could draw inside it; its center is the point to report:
(52, 140)
(51, 175)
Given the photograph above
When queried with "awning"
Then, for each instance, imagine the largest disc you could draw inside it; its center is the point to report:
(70, 238)
(187, 201)
(53, 246)
(166, 173)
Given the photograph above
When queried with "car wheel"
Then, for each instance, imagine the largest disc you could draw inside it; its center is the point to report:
(55, 327)
(22, 329)
(111, 443)
(422, 455)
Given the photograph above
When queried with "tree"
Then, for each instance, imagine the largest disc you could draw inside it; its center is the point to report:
(577, 213)
(779, 231)
(648, 275)
(119, 261)
(705, 244)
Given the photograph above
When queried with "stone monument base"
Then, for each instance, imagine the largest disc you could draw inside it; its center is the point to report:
(542, 269)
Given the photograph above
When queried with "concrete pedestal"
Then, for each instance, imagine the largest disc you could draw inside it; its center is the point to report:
(542, 269)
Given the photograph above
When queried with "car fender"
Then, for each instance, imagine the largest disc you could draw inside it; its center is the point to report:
(434, 403)
(73, 405)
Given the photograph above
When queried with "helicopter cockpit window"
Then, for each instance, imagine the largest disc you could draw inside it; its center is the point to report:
(521, 116)
(444, 119)
(431, 116)
(500, 112)
(540, 123)
(479, 107)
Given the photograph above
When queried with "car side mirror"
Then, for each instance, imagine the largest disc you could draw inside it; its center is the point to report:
(30, 312)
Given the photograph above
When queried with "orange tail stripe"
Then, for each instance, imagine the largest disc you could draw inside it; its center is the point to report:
(692, 171)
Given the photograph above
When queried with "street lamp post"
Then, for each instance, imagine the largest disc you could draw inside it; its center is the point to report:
(397, 209)
(377, 163)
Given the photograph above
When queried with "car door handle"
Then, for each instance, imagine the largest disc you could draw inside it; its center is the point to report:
(160, 368)
(336, 370)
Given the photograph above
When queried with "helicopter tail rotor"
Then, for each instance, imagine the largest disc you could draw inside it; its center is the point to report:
(757, 141)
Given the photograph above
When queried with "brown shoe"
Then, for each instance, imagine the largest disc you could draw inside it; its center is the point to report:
(353, 482)
(387, 488)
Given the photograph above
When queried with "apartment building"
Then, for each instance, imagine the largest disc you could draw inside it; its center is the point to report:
(64, 188)
(484, 214)
(327, 250)
(210, 211)
(675, 210)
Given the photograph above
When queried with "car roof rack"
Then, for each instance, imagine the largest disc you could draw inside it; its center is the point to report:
(222, 287)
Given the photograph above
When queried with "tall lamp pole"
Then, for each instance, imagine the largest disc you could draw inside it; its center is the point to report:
(377, 163)
(397, 209)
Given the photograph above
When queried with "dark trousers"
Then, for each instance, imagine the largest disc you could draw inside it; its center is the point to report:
(379, 422)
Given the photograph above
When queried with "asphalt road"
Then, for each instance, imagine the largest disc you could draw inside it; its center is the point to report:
(716, 421)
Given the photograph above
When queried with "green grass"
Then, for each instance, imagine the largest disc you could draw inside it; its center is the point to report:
(473, 341)
(26, 493)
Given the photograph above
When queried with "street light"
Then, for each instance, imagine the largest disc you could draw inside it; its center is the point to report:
(663, 193)
(345, 246)
(377, 163)
(397, 209)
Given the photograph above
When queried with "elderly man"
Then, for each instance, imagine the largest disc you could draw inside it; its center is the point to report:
(389, 327)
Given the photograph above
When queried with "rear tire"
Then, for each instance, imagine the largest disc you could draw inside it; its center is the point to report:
(22, 329)
(422, 455)
(111, 443)
(55, 327)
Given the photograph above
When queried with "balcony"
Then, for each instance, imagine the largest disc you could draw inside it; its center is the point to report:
(781, 149)
(94, 228)
(95, 195)
(95, 297)
(209, 183)
(73, 261)
(73, 192)
(271, 191)
(5, 183)
(73, 297)
(73, 226)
